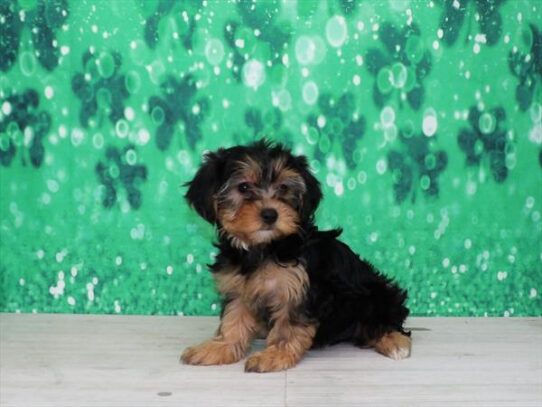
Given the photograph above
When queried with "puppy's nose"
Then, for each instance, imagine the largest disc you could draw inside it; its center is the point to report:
(269, 215)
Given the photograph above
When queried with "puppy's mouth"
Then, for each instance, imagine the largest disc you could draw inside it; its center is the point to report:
(265, 234)
(262, 236)
(254, 224)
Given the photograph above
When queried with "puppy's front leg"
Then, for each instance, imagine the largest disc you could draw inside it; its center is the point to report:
(286, 345)
(232, 341)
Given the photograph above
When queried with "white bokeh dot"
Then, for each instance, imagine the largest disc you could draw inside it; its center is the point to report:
(253, 74)
(336, 31)
(310, 93)
(430, 123)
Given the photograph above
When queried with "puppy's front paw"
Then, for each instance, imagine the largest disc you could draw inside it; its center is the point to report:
(211, 353)
(270, 360)
(394, 345)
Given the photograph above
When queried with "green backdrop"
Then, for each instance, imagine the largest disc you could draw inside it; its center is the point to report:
(421, 119)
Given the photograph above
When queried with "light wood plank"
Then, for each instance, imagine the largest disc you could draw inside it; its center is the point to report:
(86, 360)
(74, 360)
(467, 362)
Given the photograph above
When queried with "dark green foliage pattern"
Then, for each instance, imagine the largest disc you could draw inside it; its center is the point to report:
(421, 119)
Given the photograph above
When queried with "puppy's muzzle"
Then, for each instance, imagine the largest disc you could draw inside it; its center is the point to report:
(269, 216)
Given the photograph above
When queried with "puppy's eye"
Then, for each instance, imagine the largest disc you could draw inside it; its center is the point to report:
(243, 187)
(284, 188)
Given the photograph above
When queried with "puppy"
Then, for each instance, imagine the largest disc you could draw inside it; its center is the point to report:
(279, 276)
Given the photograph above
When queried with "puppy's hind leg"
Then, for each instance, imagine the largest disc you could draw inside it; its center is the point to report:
(394, 345)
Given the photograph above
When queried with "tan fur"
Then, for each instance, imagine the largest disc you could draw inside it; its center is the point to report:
(229, 282)
(394, 345)
(287, 340)
(286, 345)
(287, 220)
(289, 176)
(240, 219)
(278, 164)
(236, 331)
(249, 170)
(278, 288)
(245, 223)
(211, 352)
(281, 287)
(266, 302)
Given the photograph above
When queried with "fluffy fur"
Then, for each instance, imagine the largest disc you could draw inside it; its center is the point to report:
(280, 277)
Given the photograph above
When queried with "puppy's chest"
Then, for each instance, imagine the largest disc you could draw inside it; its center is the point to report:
(270, 285)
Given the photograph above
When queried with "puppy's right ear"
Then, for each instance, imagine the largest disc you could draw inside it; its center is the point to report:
(206, 182)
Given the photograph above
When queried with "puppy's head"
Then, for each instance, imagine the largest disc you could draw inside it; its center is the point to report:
(255, 193)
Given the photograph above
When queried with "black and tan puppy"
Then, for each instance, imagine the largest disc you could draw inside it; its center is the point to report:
(279, 276)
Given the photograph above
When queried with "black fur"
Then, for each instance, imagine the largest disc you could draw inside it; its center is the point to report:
(205, 183)
(217, 167)
(347, 297)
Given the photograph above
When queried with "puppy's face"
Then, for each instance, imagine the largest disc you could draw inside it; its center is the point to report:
(255, 193)
(260, 201)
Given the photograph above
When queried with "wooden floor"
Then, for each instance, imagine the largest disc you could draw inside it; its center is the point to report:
(132, 361)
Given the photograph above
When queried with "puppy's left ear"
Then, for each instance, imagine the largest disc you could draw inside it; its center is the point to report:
(313, 194)
(206, 182)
